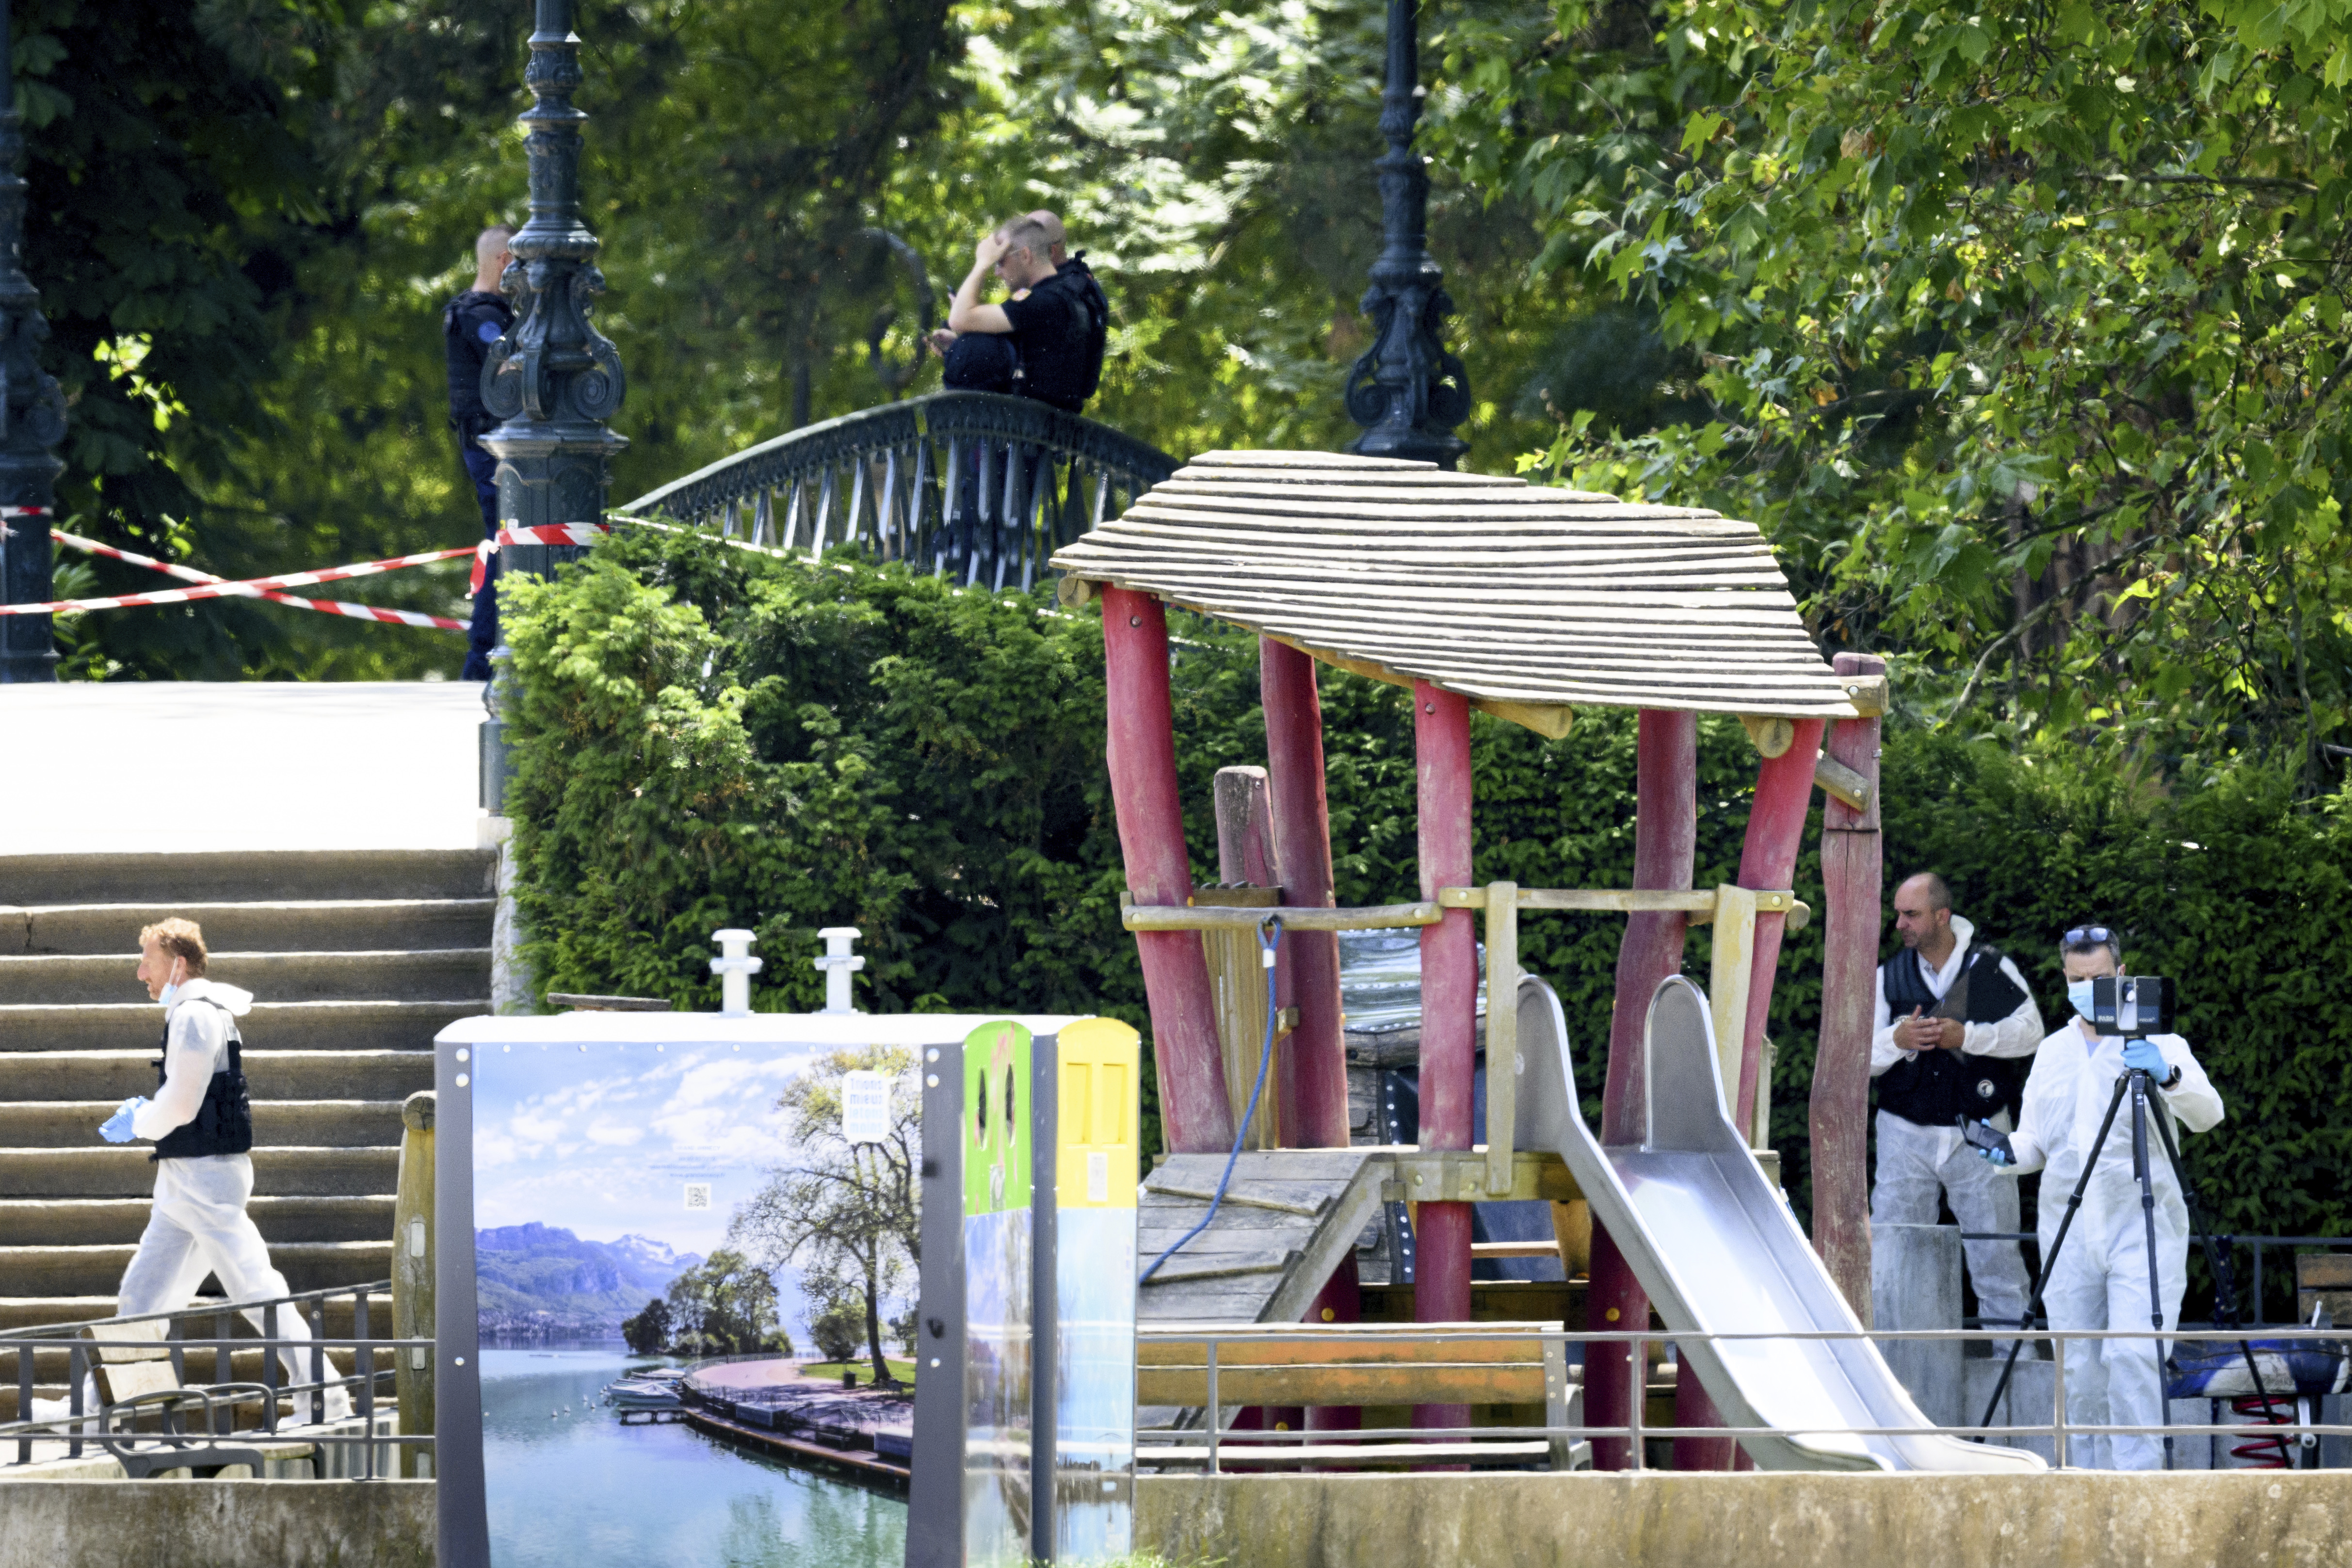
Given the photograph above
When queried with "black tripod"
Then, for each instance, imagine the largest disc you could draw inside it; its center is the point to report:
(2225, 1293)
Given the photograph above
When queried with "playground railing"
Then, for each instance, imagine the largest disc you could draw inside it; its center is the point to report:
(2256, 1245)
(168, 1416)
(1211, 1444)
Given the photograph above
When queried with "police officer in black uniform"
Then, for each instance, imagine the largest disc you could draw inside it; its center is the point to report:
(470, 323)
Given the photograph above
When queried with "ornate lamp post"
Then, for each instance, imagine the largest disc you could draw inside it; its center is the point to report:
(554, 378)
(1407, 390)
(32, 417)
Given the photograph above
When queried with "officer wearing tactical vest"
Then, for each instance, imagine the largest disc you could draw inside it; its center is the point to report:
(202, 1123)
(470, 323)
(1955, 1035)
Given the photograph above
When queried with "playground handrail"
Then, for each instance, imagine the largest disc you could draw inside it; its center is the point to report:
(1207, 1444)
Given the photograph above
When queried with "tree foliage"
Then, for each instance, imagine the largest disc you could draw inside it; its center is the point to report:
(2021, 331)
(848, 1214)
(725, 1306)
(772, 200)
(648, 1331)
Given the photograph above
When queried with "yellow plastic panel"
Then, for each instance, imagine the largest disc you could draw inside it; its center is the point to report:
(1097, 1164)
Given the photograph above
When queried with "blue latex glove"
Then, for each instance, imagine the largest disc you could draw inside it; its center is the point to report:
(2143, 1056)
(116, 1128)
(2000, 1153)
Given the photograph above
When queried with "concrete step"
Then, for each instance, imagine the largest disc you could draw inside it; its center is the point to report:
(305, 1123)
(365, 976)
(87, 1270)
(272, 1025)
(20, 1313)
(111, 1076)
(109, 1172)
(305, 926)
(242, 876)
(65, 1222)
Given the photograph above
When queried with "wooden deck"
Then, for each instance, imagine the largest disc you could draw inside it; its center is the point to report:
(848, 1464)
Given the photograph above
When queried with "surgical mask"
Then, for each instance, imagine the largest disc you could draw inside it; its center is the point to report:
(170, 991)
(2078, 997)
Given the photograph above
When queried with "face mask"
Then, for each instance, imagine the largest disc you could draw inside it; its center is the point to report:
(2078, 997)
(169, 993)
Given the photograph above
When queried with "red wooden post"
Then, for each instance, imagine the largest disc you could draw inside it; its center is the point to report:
(1665, 837)
(1194, 1113)
(1851, 887)
(1776, 831)
(1314, 1062)
(1449, 1009)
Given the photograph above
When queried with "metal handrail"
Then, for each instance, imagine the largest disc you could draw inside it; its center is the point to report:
(80, 1340)
(974, 484)
(2255, 1244)
(1185, 1445)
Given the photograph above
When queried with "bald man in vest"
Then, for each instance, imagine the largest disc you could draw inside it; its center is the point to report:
(1957, 1030)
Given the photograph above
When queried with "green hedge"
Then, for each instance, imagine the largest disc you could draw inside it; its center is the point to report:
(711, 737)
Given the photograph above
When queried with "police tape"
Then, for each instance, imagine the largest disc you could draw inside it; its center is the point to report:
(249, 588)
(560, 533)
(326, 606)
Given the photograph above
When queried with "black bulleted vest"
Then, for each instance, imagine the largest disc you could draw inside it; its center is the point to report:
(223, 1123)
(1937, 1088)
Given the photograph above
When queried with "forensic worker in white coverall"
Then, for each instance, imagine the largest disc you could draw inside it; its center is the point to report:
(2099, 1279)
(1957, 1029)
(201, 1120)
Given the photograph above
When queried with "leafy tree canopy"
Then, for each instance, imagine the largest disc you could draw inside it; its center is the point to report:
(255, 343)
(2020, 330)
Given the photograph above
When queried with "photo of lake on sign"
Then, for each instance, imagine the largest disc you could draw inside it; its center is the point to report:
(604, 1183)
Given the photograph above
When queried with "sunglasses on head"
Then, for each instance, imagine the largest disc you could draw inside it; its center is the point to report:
(2081, 936)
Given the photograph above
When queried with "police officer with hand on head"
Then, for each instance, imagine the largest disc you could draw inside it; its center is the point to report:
(1954, 1025)
(470, 323)
(2099, 1280)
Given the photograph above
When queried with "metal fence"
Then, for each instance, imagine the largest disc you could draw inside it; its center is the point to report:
(2256, 1245)
(202, 1422)
(1205, 1446)
(975, 486)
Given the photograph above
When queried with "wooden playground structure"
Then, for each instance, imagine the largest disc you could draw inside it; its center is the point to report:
(1524, 603)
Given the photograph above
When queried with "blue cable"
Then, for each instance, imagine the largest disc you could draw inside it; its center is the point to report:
(1269, 937)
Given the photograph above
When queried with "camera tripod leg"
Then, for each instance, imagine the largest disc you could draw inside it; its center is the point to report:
(2225, 1289)
(2140, 1174)
(2042, 1275)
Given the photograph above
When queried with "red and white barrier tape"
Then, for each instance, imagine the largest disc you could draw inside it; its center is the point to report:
(561, 533)
(556, 533)
(259, 588)
(327, 606)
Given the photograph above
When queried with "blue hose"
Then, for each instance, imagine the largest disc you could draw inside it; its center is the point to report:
(1269, 937)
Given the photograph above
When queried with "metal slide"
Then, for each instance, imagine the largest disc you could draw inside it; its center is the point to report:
(1716, 1249)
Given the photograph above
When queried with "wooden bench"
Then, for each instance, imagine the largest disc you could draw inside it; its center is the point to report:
(1311, 1365)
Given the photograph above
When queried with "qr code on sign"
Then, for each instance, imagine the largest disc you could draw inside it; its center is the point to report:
(697, 1195)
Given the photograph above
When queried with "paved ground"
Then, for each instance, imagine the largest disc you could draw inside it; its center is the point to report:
(247, 765)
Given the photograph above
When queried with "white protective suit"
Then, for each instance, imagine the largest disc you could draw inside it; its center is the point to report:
(198, 1224)
(1917, 1163)
(2100, 1280)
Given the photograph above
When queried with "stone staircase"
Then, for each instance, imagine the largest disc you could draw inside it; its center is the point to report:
(356, 959)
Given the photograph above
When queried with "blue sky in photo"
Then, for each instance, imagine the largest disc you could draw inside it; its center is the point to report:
(605, 1141)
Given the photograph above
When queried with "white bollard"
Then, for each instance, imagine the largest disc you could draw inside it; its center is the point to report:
(839, 966)
(735, 968)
